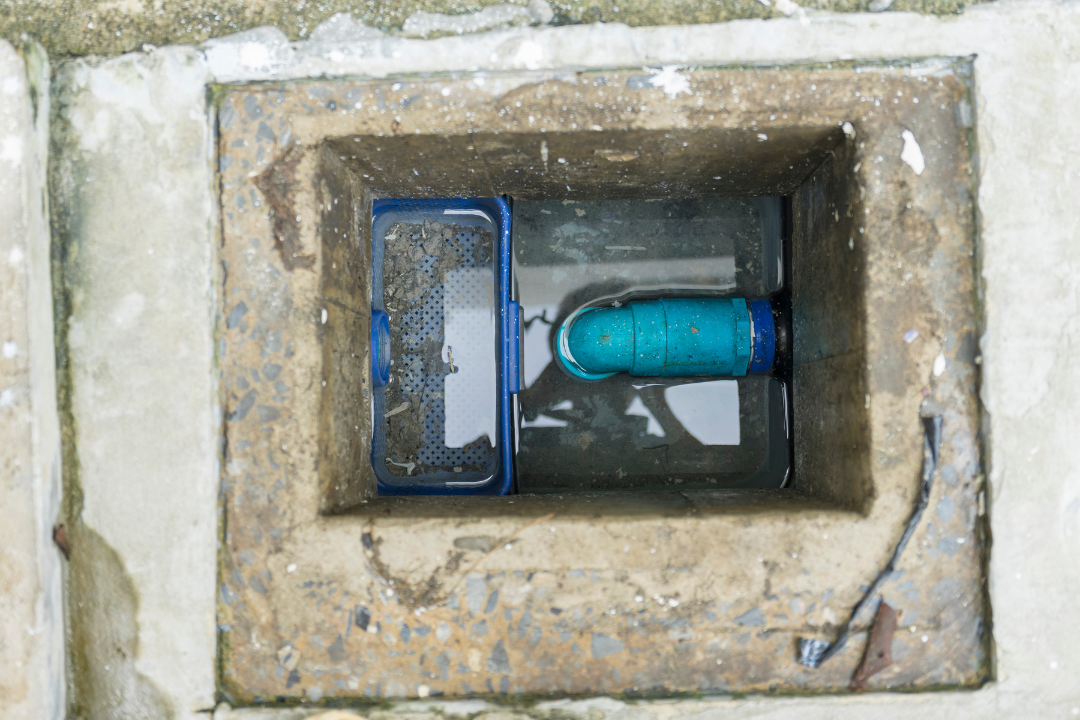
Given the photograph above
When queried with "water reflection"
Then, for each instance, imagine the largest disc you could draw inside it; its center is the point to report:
(708, 410)
(625, 432)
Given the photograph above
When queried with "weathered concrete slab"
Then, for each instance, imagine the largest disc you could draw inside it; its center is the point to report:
(31, 604)
(107, 28)
(133, 224)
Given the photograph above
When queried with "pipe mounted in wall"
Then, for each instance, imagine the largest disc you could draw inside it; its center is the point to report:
(677, 337)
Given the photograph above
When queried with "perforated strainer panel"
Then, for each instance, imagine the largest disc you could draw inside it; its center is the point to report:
(470, 394)
(433, 450)
(445, 354)
(425, 321)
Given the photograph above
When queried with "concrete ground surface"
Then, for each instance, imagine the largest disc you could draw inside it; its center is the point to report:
(80, 27)
(31, 594)
(135, 302)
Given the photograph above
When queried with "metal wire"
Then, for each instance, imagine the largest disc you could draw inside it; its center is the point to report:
(812, 653)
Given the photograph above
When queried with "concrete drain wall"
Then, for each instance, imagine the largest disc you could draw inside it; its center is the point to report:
(694, 591)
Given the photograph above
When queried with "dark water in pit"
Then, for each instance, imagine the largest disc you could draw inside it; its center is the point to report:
(624, 432)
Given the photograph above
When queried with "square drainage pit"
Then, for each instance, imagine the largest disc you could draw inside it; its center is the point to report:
(585, 582)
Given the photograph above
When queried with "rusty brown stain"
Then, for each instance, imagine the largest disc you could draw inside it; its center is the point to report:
(878, 655)
(60, 537)
(428, 592)
(278, 184)
(433, 591)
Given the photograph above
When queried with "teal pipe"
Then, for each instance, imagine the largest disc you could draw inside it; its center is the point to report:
(677, 337)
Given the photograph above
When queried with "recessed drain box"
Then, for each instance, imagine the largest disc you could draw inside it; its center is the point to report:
(329, 591)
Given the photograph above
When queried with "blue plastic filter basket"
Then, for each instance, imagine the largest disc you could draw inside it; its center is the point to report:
(475, 389)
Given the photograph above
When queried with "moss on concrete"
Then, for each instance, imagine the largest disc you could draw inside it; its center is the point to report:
(108, 27)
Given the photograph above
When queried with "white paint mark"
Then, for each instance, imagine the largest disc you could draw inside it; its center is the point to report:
(564, 405)
(10, 350)
(12, 150)
(7, 398)
(848, 129)
(408, 466)
(544, 153)
(290, 568)
(515, 594)
(423, 691)
(638, 409)
(910, 335)
(399, 409)
(543, 421)
(129, 309)
(939, 364)
(669, 80)
(16, 255)
(530, 55)
(762, 137)
(445, 92)
(912, 153)
(324, 316)
(254, 55)
(789, 8)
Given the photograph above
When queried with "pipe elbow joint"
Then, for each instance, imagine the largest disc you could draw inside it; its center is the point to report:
(676, 337)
